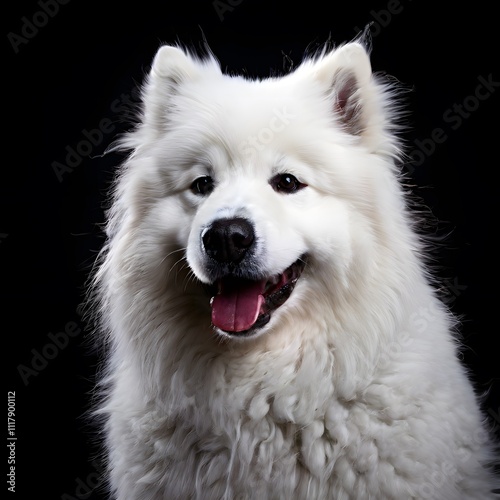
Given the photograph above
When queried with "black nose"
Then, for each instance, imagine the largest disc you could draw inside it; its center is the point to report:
(228, 240)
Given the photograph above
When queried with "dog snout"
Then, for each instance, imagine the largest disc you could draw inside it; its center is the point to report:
(228, 240)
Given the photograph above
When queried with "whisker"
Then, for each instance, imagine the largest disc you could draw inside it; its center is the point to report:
(171, 253)
(176, 263)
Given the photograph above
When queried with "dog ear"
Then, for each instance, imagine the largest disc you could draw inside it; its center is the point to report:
(347, 74)
(172, 65)
(366, 106)
(171, 68)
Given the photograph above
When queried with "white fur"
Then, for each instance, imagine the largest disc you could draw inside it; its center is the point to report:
(353, 389)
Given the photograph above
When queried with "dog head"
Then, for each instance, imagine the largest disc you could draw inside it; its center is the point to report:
(268, 187)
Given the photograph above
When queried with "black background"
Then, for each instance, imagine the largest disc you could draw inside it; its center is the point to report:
(77, 68)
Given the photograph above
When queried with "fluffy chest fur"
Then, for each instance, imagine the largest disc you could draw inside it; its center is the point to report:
(280, 418)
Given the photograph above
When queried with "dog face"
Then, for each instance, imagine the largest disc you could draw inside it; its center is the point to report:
(247, 242)
(263, 183)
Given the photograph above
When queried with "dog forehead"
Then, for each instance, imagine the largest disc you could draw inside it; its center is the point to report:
(253, 122)
(243, 107)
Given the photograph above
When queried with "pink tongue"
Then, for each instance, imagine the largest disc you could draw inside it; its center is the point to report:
(237, 306)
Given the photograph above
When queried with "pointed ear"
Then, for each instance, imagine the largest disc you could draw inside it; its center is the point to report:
(170, 69)
(347, 75)
(173, 64)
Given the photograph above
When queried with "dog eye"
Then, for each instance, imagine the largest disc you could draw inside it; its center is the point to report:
(286, 183)
(202, 185)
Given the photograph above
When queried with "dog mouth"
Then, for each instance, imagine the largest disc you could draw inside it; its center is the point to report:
(241, 306)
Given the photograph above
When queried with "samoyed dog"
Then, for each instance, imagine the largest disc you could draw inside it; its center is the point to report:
(273, 331)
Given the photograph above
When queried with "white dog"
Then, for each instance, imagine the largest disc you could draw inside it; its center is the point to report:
(273, 331)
